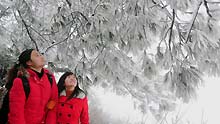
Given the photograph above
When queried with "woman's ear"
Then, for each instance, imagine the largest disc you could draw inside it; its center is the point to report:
(29, 63)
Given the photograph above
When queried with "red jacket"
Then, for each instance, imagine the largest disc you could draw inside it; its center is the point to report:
(32, 110)
(73, 111)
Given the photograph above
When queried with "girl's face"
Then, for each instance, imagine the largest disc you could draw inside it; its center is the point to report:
(70, 81)
(37, 60)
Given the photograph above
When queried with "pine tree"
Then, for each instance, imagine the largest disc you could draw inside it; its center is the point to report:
(154, 50)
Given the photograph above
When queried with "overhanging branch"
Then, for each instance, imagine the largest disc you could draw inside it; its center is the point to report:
(28, 32)
(207, 8)
(213, 2)
(54, 44)
(171, 30)
(3, 12)
(193, 20)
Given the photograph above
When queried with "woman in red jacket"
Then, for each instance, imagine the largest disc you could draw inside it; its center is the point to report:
(33, 109)
(72, 103)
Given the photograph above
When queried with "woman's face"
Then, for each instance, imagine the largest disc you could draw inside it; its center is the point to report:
(37, 60)
(70, 81)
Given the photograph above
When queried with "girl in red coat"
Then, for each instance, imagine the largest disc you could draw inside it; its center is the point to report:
(33, 109)
(72, 104)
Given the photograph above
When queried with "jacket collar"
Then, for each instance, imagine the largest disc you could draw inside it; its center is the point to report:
(32, 73)
(81, 95)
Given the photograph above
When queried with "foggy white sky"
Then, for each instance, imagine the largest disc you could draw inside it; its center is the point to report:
(206, 108)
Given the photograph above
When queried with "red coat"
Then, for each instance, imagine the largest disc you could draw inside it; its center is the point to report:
(33, 110)
(73, 111)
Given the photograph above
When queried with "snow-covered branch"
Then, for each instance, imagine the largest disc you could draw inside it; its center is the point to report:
(28, 32)
(192, 21)
(207, 8)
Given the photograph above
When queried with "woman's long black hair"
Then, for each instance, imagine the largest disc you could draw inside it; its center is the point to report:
(19, 68)
(61, 86)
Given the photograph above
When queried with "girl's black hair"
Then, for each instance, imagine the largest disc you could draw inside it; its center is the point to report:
(20, 66)
(61, 86)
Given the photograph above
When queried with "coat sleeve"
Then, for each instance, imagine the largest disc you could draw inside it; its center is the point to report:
(17, 100)
(84, 117)
(51, 115)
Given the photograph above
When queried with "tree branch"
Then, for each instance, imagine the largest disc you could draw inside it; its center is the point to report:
(81, 15)
(98, 55)
(193, 20)
(38, 33)
(171, 30)
(163, 38)
(69, 3)
(94, 11)
(132, 93)
(207, 8)
(59, 42)
(213, 2)
(57, 69)
(76, 12)
(28, 32)
(3, 12)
